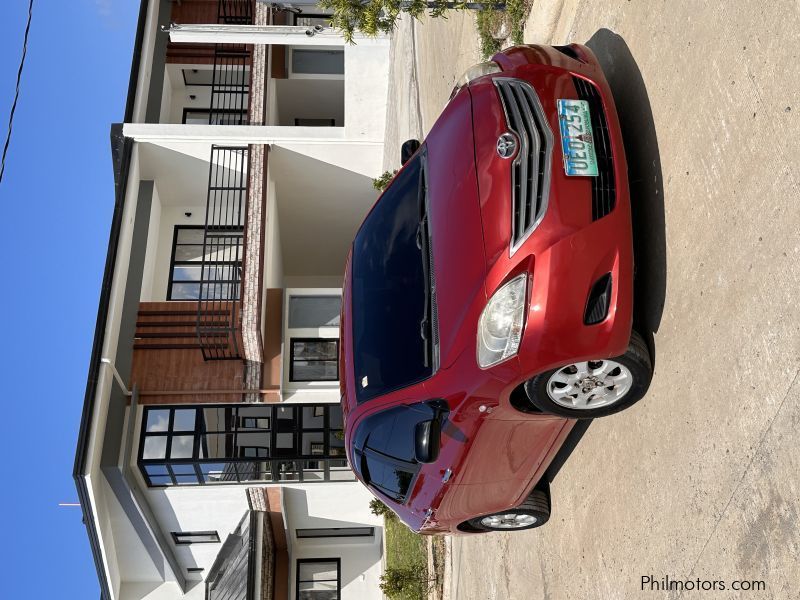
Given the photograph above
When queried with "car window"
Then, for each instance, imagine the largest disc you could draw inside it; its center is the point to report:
(391, 432)
(391, 478)
(385, 443)
(389, 291)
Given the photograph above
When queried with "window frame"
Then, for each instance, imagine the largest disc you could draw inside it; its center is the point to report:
(319, 122)
(230, 466)
(298, 340)
(341, 532)
(178, 535)
(305, 15)
(297, 580)
(319, 49)
(184, 263)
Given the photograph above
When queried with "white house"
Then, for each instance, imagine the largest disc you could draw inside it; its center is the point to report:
(210, 461)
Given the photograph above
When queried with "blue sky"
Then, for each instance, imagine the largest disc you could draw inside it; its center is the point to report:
(56, 200)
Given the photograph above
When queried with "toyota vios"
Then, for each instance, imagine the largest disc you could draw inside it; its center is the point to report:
(488, 297)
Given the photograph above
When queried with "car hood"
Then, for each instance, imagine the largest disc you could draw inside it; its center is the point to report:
(454, 211)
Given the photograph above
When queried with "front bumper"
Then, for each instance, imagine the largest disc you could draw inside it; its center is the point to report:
(585, 231)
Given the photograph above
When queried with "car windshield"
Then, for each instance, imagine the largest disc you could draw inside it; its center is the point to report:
(391, 300)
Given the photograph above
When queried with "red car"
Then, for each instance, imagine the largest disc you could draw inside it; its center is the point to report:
(488, 297)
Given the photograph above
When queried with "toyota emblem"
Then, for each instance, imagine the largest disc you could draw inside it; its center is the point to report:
(507, 145)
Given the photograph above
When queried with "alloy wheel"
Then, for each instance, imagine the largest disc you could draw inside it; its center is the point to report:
(590, 384)
(508, 521)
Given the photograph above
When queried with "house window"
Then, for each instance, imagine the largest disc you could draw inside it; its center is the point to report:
(314, 311)
(314, 359)
(312, 19)
(195, 537)
(315, 122)
(317, 61)
(319, 579)
(336, 532)
(223, 263)
(236, 443)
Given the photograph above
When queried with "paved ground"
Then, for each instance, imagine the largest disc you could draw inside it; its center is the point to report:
(702, 478)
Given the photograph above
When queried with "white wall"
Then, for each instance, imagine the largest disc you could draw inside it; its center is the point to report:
(360, 565)
(337, 505)
(169, 217)
(273, 258)
(166, 98)
(177, 93)
(198, 508)
(313, 281)
(192, 508)
(151, 252)
(366, 73)
(310, 99)
(160, 591)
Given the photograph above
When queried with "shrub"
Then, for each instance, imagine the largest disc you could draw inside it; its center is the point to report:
(378, 508)
(405, 583)
(380, 16)
(383, 180)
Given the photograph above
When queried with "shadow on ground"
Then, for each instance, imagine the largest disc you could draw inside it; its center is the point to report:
(644, 176)
(647, 199)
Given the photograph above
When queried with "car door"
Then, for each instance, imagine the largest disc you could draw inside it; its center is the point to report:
(507, 450)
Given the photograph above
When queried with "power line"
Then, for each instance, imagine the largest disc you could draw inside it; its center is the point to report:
(16, 93)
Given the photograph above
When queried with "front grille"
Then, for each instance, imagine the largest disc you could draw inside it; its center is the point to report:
(604, 191)
(530, 172)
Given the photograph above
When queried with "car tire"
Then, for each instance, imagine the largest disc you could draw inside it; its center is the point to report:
(581, 390)
(532, 513)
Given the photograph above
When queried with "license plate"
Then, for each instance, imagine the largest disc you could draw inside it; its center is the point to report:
(577, 141)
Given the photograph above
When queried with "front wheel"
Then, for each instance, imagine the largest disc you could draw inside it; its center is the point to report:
(594, 388)
(534, 512)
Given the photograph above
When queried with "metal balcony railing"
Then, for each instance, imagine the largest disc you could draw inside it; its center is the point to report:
(230, 84)
(219, 306)
(236, 11)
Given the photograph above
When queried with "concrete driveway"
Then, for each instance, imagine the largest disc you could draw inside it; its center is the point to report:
(701, 479)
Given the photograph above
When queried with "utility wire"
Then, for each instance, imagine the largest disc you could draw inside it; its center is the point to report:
(16, 93)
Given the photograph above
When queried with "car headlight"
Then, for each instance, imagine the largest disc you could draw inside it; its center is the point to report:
(500, 325)
(479, 70)
(475, 71)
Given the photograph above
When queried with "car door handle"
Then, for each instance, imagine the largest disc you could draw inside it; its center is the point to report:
(447, 474)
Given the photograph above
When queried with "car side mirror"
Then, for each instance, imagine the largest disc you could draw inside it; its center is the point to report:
(427, 440)
(407, 150)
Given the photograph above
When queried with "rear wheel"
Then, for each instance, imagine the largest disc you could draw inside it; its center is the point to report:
(594, 388)
(534, 512)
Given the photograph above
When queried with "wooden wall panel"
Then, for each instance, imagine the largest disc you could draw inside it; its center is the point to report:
(195, 12)
(189, 12)
(275, 501)
(278, 68)
(179, 368)
(273, 334)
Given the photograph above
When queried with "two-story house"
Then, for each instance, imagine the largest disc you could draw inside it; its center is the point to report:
(210, 461)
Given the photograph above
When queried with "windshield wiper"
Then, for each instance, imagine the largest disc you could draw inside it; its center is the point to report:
(423, 243)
